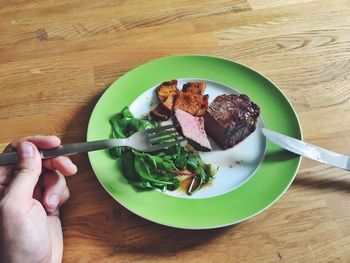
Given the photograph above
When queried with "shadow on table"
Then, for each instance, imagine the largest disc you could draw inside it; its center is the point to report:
(330, 184)
(326, 181)
(147, 238)
(112, 230)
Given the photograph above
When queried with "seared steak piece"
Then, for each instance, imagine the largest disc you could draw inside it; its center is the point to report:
(193, 129)
(229, 119)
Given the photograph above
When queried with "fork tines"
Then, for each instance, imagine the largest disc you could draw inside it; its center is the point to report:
(164, 136)
(162, 128)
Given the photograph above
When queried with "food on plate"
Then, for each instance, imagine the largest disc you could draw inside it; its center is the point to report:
(167, 93)
(169, 103)
(190, 99)
(160, 113)
(196, 87)
(230, 118)
(189, 102)
(193, 99)
(204, 106)
(162, 169)
(124, 124)
(166, 89)
(193, 129)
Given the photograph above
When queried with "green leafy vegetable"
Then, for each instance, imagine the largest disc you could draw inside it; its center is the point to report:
(147, 171)
(125, 124)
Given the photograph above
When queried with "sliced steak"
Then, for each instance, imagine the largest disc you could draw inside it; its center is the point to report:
(229, 119)
(193, 129)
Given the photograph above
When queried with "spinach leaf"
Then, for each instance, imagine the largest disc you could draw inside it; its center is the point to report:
(127, 166)
(125, 124)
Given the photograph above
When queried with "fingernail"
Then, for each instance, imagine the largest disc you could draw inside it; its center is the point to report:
(53, 200)
(25, 149)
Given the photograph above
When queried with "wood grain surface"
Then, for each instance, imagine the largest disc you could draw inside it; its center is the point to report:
(57, 58)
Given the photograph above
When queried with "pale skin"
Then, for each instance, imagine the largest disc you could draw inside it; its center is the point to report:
(31, 193)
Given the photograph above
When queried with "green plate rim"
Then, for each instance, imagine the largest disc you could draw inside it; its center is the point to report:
(295, 160)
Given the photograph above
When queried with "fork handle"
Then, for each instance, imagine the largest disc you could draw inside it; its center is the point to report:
(67, 149)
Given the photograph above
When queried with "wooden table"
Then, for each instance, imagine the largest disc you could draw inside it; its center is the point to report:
(57, 57)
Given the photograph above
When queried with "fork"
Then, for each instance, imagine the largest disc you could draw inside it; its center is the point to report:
(148, 140)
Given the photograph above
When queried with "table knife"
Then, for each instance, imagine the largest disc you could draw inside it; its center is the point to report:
(308, 150)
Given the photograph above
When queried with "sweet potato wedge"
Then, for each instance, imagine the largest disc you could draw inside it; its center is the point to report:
(203, 107)
(197, 87)
(166, 89)
(188, 102)
(170, 101)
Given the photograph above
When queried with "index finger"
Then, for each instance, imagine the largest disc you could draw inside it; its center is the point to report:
(62, 164)
(40, 141)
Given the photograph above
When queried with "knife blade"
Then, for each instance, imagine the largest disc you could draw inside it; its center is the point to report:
(308, 150)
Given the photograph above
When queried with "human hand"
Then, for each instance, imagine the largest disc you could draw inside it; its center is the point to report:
(30, 196)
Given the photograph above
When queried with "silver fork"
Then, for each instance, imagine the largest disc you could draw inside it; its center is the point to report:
(148, 140)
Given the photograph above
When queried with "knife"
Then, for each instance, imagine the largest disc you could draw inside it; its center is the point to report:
(308, 150)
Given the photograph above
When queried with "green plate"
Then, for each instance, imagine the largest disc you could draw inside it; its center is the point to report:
(266, 186)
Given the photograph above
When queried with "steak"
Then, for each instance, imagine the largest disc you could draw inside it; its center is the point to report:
(229, 119)
(193, 129)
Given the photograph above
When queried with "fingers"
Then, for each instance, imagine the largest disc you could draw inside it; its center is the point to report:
(38, 193)
(23, 182)
(45, 142)
(41, 141)
(28, 171)
(62, 164)
(2, 190)
(5, 172)
(55, 191)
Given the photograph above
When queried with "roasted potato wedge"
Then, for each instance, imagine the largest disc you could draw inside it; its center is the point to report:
(169, 102)
(188, 102)
(190, 99)
(203, 107)
(196, 87)
(166, 89)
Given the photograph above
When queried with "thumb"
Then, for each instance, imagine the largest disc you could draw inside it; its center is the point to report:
(28, 171)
